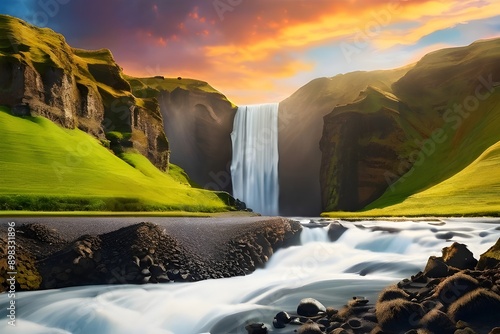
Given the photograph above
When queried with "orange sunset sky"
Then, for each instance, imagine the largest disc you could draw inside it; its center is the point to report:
(257, 51)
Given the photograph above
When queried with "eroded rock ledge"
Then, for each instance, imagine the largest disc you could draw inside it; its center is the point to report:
(142, 253)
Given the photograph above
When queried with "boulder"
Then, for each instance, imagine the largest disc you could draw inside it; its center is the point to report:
(310, 328)
(335, 231)
(256, 328)
(438, 322)
(457, 255)
(479, 305)
(491, 258)
(281, 319)
(398, 315)
(436, 267)
(309, 307)
(454, 287)
(391, 293)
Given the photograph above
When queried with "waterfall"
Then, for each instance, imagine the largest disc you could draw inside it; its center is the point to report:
(254, 168)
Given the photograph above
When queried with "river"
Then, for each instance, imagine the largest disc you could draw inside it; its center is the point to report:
(367, 257)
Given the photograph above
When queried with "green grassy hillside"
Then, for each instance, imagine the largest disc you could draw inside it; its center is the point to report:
(47, 167)
(474, 191)
(457, 161)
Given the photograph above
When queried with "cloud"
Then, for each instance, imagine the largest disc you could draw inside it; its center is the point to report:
(259, 47)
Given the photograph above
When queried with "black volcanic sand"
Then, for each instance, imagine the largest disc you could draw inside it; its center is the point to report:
(454, 294)
(61, 252)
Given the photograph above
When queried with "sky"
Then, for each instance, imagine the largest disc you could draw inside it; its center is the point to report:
(259, 51)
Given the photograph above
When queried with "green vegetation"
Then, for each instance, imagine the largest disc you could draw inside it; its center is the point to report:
(458, 174)
(49, 168)
(149, 88)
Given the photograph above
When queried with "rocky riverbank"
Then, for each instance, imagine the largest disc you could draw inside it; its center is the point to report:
(50, 256)
(454, 294)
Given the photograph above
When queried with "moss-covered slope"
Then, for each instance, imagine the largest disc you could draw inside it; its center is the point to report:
(110, 151)
(46, 167)
(452, 115)
(41, 75)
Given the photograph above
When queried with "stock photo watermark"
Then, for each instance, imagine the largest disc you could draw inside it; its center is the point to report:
(371, 29)
(453, 117)
(224, 6)
(11, 273)
(48, 9)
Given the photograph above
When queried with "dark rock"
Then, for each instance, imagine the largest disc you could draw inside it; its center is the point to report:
(330, 311)
(162, 279)
(438, 322)
(283, 317)
(466, 330)
(495, 330)
(479, 305)
(277, 324)
(358, 301)
(436, 267)
(324, 322)
(146, 261)
(157, 269)
(310, 328)
(339, 331)
(398, 315)
(335, 231)
(41, 233)
(256, 328)
(355, 167)
(457, 255)
(198, 127)
(391, 293)
(454, 287)
(354, 323)
(491, 258)
(309, 307)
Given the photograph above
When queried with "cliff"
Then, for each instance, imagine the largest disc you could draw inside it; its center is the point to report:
(362, 143)
(41, 75)
(428, 134)
(300, 131)
(198, 120)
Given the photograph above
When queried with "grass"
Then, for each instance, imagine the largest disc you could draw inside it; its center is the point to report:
(106, 214)
(49, 168)
(474, 191)
(149, 88)
(460, 176)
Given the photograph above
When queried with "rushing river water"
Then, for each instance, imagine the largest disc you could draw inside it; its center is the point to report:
(367, 257)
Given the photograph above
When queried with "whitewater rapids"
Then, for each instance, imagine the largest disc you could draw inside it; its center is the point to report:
(367, 257)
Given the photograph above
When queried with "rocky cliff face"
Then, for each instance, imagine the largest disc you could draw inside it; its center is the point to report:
(40, 75)
(199, 126)
(423, 129)
(363, 143)
(300, 131)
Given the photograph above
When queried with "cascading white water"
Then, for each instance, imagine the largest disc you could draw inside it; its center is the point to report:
(360, 263)
(254, 167)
